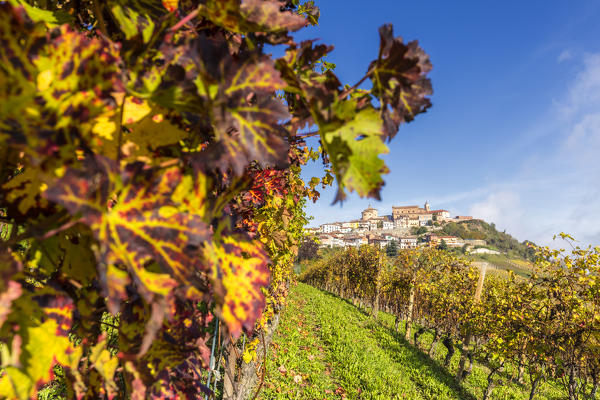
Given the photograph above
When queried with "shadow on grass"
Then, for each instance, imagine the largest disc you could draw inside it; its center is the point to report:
(414, 357)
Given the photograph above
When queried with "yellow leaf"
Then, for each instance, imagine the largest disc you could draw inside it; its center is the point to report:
(134, 110)
(104, 128)
(44, 80)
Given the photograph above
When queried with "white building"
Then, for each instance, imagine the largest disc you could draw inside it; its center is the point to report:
(328, 228)
(355, 241)
(388, 225)
(408, 242)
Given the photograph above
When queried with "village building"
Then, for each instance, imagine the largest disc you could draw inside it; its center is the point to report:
(363, 226)
(328, 228)
(413, 222)
(440, 215)
(388, 225)
(407, 242)
(460, 218)
(379, 241)
(355, 241)
(369, 213)
(425, 219)
(483, 250)
(451, 241)
(405, 211)
(350, 224)
(402, 218)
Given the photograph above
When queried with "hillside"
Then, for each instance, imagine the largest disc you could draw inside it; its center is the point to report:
(327, 348)
(478, 229)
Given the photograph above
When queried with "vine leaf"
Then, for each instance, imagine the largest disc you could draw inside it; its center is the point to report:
(57, 82)
(399, 80)
(40, 342)
(25, 189)
(50, 18)
(240, 270)
(246, 115)
(140, 225)
(251, 16)
(354, 150)
(10, 290)
(146, 131)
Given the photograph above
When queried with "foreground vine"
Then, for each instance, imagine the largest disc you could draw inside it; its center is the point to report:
(150, 195)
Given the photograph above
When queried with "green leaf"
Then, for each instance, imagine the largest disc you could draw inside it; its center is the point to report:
(40, 322)
(354, 150)
(50, 18)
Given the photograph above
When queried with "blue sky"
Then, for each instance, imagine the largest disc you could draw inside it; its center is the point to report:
(513, 136)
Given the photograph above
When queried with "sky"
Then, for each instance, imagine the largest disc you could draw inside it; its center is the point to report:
(513, 136)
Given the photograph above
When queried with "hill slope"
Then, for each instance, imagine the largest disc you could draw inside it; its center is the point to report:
(326, 348)
(478, 229)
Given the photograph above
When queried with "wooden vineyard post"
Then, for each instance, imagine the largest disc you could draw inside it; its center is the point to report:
(377, 288)
(411, 304)
(467, 342)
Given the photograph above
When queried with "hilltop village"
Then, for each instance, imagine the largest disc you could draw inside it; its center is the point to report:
(401, 226)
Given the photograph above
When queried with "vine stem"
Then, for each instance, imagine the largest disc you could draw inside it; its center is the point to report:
(181, 23)
(184, 20)
(120, 140)
(63, 227)
(357, 84)
(100, 18)
(264, 366)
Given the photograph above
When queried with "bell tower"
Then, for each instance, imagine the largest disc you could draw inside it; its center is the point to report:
(427, 206)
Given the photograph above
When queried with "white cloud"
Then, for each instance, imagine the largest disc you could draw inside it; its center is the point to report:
(556, 189)
(584, 92)
(564, 56)
(503, 208)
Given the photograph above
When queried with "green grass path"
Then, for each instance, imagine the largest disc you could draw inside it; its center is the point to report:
(326, 348)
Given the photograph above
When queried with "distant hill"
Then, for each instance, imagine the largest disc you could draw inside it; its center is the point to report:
(478, 229)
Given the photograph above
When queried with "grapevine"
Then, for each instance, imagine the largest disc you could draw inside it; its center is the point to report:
(150, 158)
(542, 326)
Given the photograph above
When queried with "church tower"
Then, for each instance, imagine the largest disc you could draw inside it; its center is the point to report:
(427, 206)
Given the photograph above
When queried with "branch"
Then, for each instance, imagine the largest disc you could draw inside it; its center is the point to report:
(100, 18)
(181, 23)
(308, 134)
(357, 84)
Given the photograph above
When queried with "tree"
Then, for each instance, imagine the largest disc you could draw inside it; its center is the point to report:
(418, 230)
(443, 245)
(391, 249)
(150, 173)
(308, 250)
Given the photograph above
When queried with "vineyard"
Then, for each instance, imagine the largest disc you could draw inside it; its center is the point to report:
(150, 195)
(541, 328)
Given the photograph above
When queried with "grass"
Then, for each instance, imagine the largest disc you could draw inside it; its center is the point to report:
(326, 348)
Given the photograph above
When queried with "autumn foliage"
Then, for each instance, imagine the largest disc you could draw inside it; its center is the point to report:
(150, 155)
